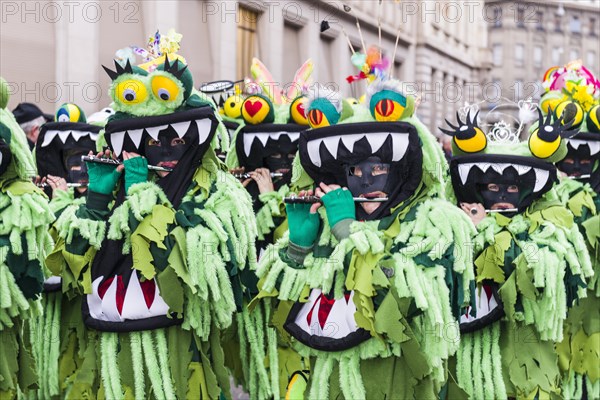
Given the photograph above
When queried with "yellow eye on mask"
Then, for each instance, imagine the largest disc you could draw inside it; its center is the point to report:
(570, 112)
(165, 88)
(593, 119)
(131, 91)
(298, 111)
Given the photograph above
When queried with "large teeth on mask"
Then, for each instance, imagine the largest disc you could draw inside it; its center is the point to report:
(116, 140)
(248, 140)
(64, 135)
(294, 136)
(499, 168)
(49, 137)
(204, 127)
(136, 136)
(575, 143)
(332, 144)
(181, 128)
(463, 171)
(594, 147)
(541, 178)
(153, 132)
(313, 152)
(377, 140)
(522, 169)
(78, 135)
(400, 145)
(349, 141)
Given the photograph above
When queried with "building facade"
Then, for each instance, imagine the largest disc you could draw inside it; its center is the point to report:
(528, 38)
(51, 51)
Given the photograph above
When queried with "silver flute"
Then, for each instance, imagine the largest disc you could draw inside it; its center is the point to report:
(71, 185)
(315, 199)
(111, 161)
(588, 176)
(247, 175)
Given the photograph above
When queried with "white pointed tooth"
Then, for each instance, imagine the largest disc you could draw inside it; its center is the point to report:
(116, 139)
(483, 166)
(500, 167)
(64, 135)
(248, 140)
(181, 128)
(276, 135)
(134, 304)
(263, 137)
(294, 136)
(350, 140)
(463, 171)
(79, 134)
(332, 143)
(575, 143)
(153, 131)
(594, 147)
(541, 178)
(313, 151)
(376, 140)
(159, 306)
(49, 137)
(400, 145)
(204, 127)
(0, 158)
(522, 169)
(94, 301)
(136, 136)
(94, 136)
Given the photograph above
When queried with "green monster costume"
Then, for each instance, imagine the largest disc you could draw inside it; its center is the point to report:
(156, 259)
(373, 299)
(574, 92)
(24, 243)
(531, 261)
(270, 126)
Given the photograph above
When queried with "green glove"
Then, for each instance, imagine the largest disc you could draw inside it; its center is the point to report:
(136, 171)
(102, 177)
(304, 226)
(339, 205)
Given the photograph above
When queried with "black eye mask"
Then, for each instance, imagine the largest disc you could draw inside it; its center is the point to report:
(366, 182)
(284, 161)
(501, 196)
(166, 151)
(5, 156)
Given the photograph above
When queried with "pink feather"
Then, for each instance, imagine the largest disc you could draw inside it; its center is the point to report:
(263, 77)
(301, 80)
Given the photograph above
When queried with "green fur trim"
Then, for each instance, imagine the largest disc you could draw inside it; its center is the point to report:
(69, 226)
(273, 206)
(22, 165)
(549, 245)
(64, 198)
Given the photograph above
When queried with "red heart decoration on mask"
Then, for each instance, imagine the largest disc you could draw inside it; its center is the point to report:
(301, 110)
(252, 107)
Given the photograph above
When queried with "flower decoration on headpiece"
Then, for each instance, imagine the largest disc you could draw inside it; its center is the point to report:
(159, 46)
(372, 65)
(573, 89)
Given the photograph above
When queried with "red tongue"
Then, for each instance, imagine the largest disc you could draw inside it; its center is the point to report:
(104, 287)
(252, 107)
(148, 288)
(324, 310)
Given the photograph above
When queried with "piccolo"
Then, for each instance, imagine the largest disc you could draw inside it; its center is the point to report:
(588, 176)
(507, 210)
(247, 175)
(111, 161)
(315, 199)
(71, 185)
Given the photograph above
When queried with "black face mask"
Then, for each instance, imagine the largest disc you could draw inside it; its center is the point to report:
(367, 177)
(75, 174)
(168, 148)
(577, 167)
(6, 156)
(501, 196)
(279, 161)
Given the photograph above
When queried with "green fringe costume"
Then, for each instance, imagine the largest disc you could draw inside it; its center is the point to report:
(410, 274)
(24, 242)
(579, 351)
(539, 261)
(200, 254)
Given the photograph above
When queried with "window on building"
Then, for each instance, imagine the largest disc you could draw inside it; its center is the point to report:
(573, 54)
(521, 17)
(558, 23)
(556, 55)
(247, 47)
(591, 58)
(575, 25)
(497, 54)
(539, 17)
(593, 27)
(538, 55)
(519, 55)
(497, 17)
(291, 62)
